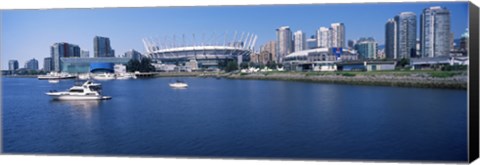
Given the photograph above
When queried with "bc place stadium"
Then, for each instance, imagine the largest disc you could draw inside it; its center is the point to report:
(209, 51)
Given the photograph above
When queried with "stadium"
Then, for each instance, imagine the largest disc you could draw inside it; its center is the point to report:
(208, 52)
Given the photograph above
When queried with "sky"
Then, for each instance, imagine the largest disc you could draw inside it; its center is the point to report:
(27, 34)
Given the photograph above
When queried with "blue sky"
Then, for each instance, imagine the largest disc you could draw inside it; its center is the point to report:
(27, 34)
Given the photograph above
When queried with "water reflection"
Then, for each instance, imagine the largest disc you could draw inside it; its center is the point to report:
(79, 107)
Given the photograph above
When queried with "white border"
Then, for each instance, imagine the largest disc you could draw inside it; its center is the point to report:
(50, 4)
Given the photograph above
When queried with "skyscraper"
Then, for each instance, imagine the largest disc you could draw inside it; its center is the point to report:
(12, 65)
(338, 35)
(391, 39)
(133, 54)
(47, 64)
(269, 47)
(32, 64)
(331, 37)
(367, 48)
(101, 47)
(323, 37)
(300, 41)
(284, 42)
(407, 35)
(435, 32)
(64, 50)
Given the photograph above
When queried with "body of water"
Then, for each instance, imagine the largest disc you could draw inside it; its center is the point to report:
(237, 118)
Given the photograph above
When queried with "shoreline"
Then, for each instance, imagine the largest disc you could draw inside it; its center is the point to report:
(420, 79)
(457, 82)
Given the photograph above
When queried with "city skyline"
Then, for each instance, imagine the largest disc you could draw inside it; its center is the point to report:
(40, 29)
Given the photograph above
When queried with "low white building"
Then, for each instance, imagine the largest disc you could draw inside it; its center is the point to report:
(380, 65)
(319, 59)
(120, 68)
(164, 67)
(428, 62)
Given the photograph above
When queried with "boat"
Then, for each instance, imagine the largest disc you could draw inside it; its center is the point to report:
(86, 91)
(124, 76)
(178, 84)
(85, 76)
(53, 81)
(56, 75)
(104, 76)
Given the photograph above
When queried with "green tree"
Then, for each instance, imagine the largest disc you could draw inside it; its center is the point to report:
(252, 64)
(244, 65)
(231, 66)
(222, 64)
(271, 64)
(146, 65)
(403, 62)
(133, 65)
(32, 72)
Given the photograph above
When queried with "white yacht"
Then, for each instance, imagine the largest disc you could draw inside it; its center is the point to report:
(85, 91)
(84, 76)
(124, 76)
(55, 75)
(178, 84)
(104, 76)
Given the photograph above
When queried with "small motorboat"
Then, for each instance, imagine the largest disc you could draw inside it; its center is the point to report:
(84, 76)
(178, 84)
(53, 81)
(85, 91)
(104, 76)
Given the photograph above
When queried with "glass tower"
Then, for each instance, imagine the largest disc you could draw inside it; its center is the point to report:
(407, 35)
(284, 42)
(435, 32)
(101, 47)
(391, 39)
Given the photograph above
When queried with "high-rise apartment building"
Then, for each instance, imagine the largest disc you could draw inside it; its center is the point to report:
(435, 32)
(407, 34)
(268, 52)
(331, 37)
(284, 42)
(64, 50)
(367, 48)
(133, 54)
(47, 64)
(32, 64)
(338, 35)
(12, 65)
(102, 48)
(391, 39)
(323, 37)
(299, 41)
